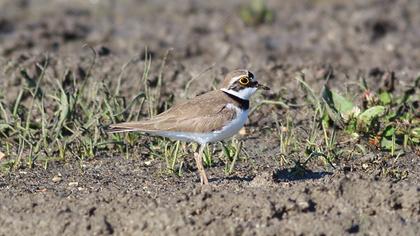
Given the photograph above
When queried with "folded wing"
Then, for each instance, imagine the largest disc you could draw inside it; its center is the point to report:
(206, 113)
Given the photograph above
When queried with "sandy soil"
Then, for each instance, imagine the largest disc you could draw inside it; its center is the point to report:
(111, 194)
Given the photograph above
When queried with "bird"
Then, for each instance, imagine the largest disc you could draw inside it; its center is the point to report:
(213, 116)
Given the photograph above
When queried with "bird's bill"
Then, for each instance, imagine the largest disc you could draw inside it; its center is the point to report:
(261, 86)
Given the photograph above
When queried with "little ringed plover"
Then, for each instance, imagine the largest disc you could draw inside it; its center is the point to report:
(210, 117)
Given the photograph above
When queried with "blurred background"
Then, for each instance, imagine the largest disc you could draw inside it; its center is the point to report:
(267, 37)
(359, 34)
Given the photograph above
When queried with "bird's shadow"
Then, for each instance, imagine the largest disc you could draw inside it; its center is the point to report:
(283, 175)
(233, 177)
(238, 178)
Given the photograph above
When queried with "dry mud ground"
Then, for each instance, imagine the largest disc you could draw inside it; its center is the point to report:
(111, 194)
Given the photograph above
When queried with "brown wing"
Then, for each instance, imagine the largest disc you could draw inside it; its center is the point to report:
(201, 114)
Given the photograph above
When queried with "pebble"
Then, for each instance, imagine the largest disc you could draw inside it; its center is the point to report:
(74, 184)
(148, 163)
(56, 179)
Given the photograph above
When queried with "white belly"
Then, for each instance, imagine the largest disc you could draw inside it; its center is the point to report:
(227, 131)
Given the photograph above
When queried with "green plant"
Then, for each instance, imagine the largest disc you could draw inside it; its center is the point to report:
(54, 119)
(230, 154)
(256, 12)
(389, 123)
(313, 148)
(287, 138)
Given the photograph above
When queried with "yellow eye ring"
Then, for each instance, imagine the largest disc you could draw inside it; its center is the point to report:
(244, 81)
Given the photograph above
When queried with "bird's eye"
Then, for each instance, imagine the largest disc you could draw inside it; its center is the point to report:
(244, 81)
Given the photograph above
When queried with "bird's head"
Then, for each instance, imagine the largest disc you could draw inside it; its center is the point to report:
(241, 84)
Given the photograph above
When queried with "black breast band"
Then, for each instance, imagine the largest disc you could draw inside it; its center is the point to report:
(243, 104)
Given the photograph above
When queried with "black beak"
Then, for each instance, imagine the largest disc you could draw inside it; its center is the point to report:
(260, 86)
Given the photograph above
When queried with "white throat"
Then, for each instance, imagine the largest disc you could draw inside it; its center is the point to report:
(245, 93)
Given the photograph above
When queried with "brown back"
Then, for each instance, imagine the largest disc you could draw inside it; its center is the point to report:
(204, 113)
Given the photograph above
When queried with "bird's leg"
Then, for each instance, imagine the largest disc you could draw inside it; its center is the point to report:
(199, 161)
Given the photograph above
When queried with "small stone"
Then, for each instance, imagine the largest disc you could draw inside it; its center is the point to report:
(2, 155)
(242, 131)
(56, 179)
(73, 184)
(365, 166)
(303, 204)
(390, 47)
(148, 163)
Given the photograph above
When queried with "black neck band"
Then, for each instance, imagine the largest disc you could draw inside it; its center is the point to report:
(243, 104)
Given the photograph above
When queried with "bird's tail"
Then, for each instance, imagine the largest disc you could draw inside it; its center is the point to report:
(127, 127)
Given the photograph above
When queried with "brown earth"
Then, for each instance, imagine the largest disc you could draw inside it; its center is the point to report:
(112, 194)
